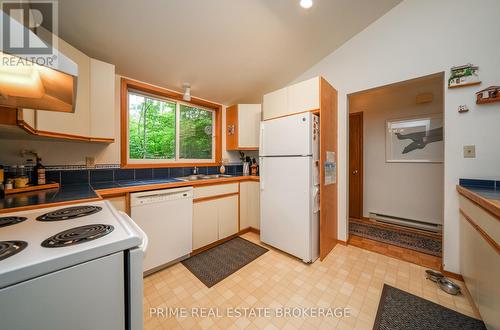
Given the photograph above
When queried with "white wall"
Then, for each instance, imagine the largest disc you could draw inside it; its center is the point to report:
(74, 153)
(406, 190)
(417, 38)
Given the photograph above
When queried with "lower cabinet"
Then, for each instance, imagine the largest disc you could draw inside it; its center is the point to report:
(249, 205)
(214, 219)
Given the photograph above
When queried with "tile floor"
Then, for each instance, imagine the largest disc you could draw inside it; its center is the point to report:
(349, 277)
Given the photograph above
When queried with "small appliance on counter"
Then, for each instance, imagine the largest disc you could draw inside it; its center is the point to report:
(79, 265)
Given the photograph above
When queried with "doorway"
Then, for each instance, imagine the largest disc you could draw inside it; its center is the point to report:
(396, 169)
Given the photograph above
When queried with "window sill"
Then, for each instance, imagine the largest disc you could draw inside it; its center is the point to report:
(163, 165)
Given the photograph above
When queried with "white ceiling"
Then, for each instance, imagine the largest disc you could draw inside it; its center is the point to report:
(231, 51)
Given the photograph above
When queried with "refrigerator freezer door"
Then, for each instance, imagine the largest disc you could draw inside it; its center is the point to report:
(287, 136)
(285, 200)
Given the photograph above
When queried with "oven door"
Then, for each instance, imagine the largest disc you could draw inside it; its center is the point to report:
(89, 295)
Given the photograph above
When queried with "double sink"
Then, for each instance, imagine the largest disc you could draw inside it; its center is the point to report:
(196, 177)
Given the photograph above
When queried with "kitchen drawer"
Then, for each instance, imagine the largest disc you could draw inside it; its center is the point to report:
(215, 190)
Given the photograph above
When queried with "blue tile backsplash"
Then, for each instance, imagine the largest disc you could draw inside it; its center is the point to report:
(71, 176)
(475, 183)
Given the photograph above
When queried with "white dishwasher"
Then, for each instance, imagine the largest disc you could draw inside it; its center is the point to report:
(166, 216)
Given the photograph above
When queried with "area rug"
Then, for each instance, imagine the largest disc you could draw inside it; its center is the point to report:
(409, 240)
(398, 309)
(217, 263)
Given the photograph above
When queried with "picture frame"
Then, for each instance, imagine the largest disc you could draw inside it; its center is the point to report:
(416, 139)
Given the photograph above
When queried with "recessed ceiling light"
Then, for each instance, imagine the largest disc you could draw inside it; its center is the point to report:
(306, 3)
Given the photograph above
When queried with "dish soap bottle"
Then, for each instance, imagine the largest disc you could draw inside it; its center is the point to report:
(39, 172)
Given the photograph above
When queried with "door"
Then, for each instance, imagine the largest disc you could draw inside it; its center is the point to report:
(356, 165)
(285, 204)
(287, 136)
(205, 223)
(228, 216)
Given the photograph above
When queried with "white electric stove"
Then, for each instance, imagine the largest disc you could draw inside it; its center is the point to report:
(77, 266)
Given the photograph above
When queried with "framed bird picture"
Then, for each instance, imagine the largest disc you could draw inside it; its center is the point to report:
(415, 140)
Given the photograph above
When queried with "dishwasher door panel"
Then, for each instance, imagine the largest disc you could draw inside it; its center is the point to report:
(168, 225)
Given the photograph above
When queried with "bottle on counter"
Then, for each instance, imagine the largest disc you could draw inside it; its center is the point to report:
(39, 172)
(2, 179)
(253, 168)
(21, 179)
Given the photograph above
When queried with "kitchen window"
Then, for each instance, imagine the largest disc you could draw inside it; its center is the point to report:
(162, 130)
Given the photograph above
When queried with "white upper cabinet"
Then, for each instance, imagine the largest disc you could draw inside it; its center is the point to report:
(94, 116)
(275, 104)
(300, 97)
(304, 96)
(102, 99)
(242, 126)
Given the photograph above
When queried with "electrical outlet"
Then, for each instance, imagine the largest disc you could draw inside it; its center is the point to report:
(470, 151)
(90, 161)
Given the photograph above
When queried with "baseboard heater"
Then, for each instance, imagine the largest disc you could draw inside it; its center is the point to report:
(410, 223)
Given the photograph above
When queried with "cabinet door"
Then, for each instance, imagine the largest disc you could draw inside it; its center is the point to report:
(245, 202)
(275, 104)
(228, 216)
(205, 223)
(304, 96)
(77, 123)
(254, 207)
(102, 99)
(248, 124)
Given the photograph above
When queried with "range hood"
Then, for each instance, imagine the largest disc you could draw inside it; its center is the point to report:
(35, 81)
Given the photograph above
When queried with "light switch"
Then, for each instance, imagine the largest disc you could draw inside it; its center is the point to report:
(470, 151)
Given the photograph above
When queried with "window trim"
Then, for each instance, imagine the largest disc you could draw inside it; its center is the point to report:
(125, 162)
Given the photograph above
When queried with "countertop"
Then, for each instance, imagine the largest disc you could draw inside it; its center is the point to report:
(486, 197)
(86, 192)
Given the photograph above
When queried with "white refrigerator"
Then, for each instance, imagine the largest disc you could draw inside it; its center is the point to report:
(289, 184)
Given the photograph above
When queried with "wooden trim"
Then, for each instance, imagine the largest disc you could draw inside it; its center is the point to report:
(328, 227)
(255, 230)
(315, 111)
(232, 119)
(239, 205)
(127, 84)
(223, 240)
(32, 131)
(486, 204)
(8, 116)
(209, 198)
(214, 244)
(341, 242)
(128, 207)
(451, 274)
(39, 206)
(199, 183)
(51, 185)
(481, 232)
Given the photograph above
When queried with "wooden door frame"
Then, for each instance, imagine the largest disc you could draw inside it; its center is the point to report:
(362, 160)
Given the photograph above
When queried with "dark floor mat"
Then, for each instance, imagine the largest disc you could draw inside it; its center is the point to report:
(398, 309)
(400, 238)
(217, 263)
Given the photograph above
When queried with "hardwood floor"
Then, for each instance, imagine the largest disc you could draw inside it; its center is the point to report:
(394, 251)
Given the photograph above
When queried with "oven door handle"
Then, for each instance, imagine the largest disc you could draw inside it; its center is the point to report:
(145, 240)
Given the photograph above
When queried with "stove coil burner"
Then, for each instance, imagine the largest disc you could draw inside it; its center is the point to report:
(69, 213)
(77, 235)
(10, 248)
(7, 221)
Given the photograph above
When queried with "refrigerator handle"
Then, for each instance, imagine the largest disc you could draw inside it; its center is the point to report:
(261, 178)
(261, 139)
